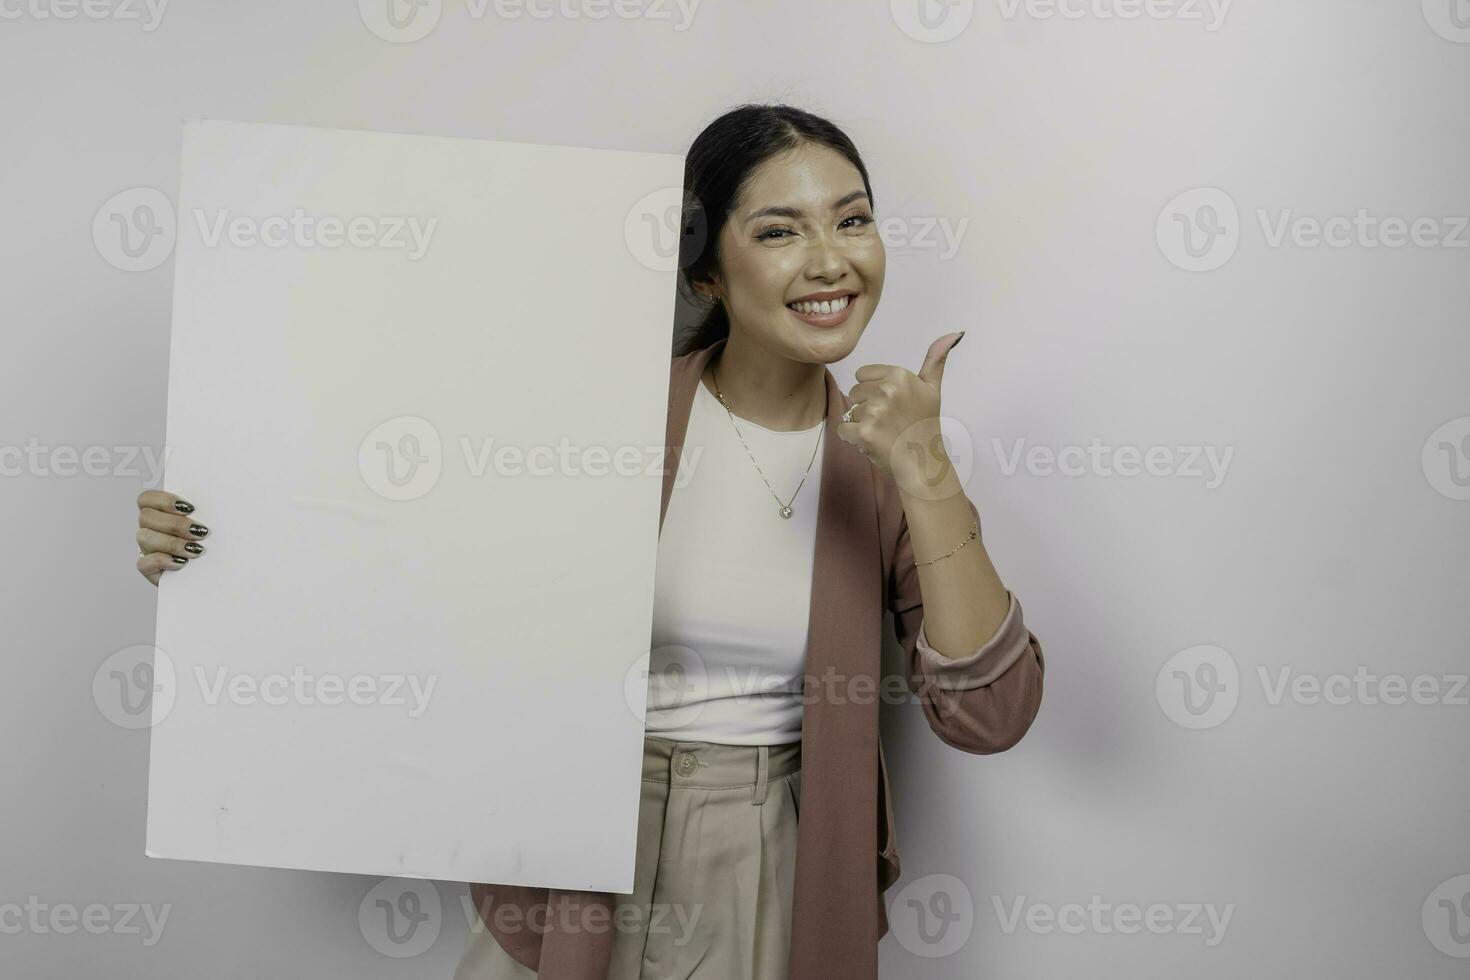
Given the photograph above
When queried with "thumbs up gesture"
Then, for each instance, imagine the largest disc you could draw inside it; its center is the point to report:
(894, 416)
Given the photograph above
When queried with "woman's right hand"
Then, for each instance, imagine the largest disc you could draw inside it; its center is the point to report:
(167, 536)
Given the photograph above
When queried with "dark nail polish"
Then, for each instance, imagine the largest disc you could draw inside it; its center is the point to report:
(957, 340)
(180, 561)
(193, 549)
(183, 507)
(198, 530)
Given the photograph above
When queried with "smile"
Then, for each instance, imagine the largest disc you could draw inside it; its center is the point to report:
(824, 313)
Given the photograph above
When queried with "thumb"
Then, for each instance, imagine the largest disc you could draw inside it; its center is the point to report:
(933, 369)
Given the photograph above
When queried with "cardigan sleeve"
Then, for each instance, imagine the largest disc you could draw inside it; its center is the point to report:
(984, 701)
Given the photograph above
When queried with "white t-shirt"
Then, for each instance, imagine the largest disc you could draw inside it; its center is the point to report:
(732, 592)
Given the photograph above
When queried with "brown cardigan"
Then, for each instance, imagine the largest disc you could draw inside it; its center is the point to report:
(846, 852)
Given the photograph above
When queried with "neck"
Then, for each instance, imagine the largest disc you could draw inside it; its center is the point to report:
(767, 388)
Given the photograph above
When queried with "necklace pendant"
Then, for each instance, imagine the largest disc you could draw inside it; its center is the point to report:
(786, 512)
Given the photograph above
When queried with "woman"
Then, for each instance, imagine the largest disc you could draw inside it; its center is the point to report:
(776, 558)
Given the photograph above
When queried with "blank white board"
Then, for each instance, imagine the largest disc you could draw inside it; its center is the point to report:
(407, 649)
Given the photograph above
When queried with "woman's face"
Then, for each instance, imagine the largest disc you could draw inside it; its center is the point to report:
(804, 228)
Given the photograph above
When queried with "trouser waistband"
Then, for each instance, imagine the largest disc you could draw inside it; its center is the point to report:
(709, 765)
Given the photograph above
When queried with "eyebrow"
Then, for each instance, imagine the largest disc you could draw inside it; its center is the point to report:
(790, 212)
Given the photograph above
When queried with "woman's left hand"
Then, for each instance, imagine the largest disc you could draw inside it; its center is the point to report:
(895, 413)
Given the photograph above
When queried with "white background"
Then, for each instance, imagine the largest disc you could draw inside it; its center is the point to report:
(1329, 545)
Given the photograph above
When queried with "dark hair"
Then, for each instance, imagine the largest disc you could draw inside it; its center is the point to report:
(717, 170)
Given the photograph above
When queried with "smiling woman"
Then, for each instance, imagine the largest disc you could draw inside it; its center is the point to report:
(761, 728)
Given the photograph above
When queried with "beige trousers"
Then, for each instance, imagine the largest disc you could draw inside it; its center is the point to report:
(714, 871)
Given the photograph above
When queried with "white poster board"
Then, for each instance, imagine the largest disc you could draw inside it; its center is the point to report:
(407, 651)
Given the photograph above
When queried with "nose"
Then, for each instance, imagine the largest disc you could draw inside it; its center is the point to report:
(826, 261)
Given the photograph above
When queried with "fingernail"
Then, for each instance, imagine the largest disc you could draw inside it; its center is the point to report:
(180, 561)
(957, 340)
(194, 549)
(198, 530)
(183, 507)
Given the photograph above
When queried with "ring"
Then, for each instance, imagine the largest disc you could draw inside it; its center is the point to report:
(847, 415)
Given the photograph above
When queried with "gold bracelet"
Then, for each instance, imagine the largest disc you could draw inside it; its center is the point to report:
(974, 532)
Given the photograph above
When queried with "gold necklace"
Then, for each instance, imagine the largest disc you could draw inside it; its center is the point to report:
(786, 510)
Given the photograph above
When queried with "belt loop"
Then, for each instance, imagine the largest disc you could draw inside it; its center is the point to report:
(762, 767)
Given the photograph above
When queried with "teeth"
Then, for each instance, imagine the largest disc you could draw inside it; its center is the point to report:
(826, 306)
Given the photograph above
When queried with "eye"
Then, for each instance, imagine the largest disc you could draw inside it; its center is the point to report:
(861, 219)
(771, 233)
